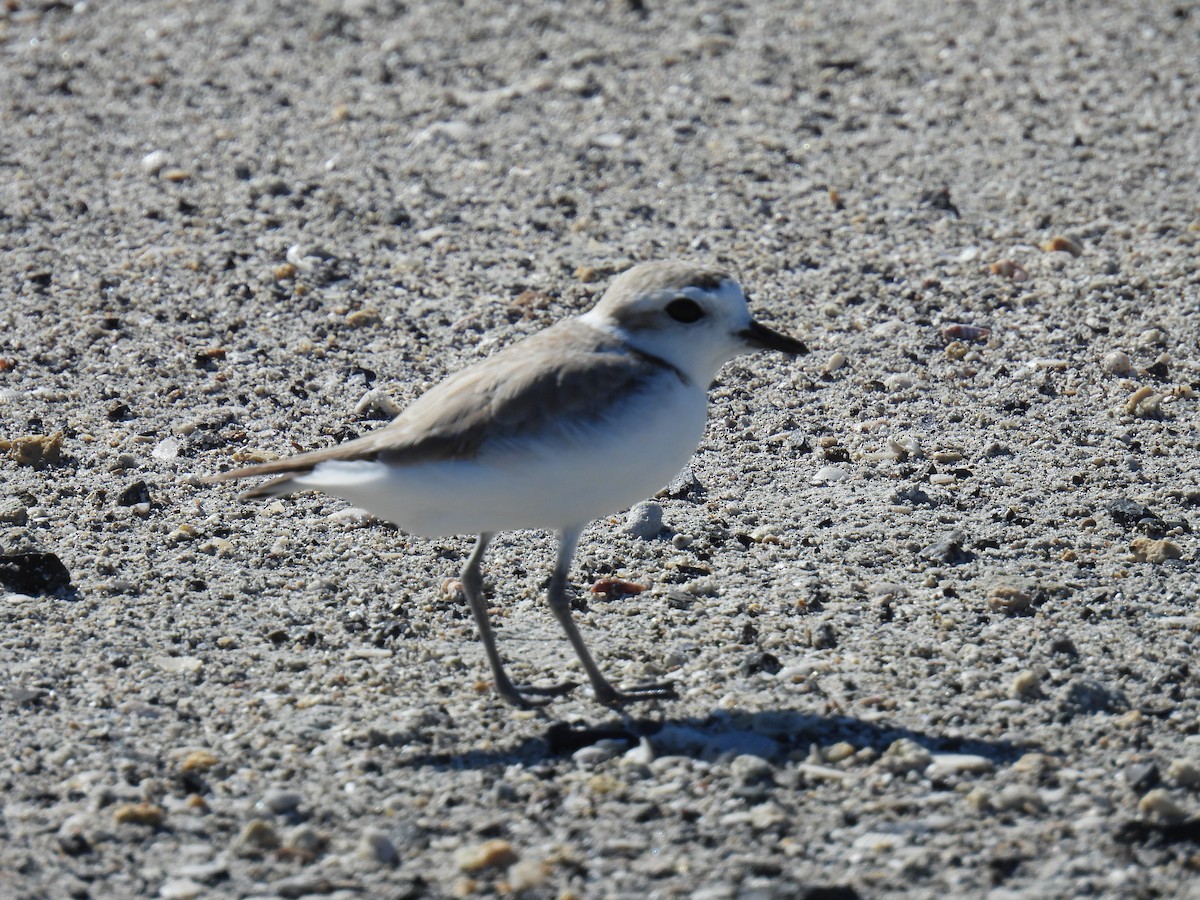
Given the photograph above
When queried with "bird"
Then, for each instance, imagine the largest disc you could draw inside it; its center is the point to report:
(580, 420)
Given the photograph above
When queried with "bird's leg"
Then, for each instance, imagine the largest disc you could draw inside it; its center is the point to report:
(560, 605)
(472, 582)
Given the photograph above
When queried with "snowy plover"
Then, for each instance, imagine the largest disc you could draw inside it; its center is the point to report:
(575, 422)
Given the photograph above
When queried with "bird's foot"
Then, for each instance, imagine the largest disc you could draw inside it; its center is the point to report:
(530, 696)
(611, 696)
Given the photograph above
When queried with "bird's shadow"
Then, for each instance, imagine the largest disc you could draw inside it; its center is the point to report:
(770, 734)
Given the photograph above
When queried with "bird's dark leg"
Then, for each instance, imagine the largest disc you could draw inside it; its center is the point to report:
(560, 605)
(472, 582)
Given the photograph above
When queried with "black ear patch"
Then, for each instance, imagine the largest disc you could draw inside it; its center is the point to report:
(683, 309)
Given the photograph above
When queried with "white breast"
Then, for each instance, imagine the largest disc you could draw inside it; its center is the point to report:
(531, 483)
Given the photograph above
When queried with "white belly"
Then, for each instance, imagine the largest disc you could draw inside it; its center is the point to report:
(531, 485)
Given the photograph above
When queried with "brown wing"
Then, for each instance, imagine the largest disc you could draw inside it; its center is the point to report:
(548, 382)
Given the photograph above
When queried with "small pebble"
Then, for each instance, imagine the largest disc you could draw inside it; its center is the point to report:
(641, 755)
(218, 546)
(179, 665)
(307, 884)
(1128, 512)
(768, 815)
(1141, 776)
(138, 814)
(956, 350)
(377, 404)
(354, 516)
(1116, 362)
(949, 550)
(1184, 772)
(198, 761)
(35, 450)
(963, 332)
(595, 754)
(180, 889)
(33, 574)
(306, 840)
(1024, 684)
(527, 874)
(978, 799)
(1032, 764)
(1018, 798)
(949, 764)
(1152, 337)
(835, 362)
(830, 474)
(363, 318)
(616, 587)
(493, 854)
(155, 161)
(1009, 599)
(258, 835)
(1160, 804)
(821, 637)
(377, 846)
(835, 753)
(167, 448)
(749, 769)
(211, 870)
(1062, 244)
(1006, 268)
(12, 512)
(73, 835)
(610, 140)
(644, 520)
(904, 755)
(280, 800)
(1145, 549)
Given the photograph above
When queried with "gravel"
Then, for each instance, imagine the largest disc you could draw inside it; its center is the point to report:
(928, 595)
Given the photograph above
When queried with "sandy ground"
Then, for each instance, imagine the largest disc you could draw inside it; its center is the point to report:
(929, 595)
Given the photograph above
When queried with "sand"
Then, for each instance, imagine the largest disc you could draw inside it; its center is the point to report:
(928, 594)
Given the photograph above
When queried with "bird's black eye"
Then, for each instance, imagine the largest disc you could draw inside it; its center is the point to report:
(684, 310)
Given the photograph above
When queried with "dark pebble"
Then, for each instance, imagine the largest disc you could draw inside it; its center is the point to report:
(1148, 832)
(760, 662)
(1141, 777)
(1127, 512)
(1152, 526)
(911, 496)
(823, 637)
(948, 550)
(34, 574)
(134, 494)
(1064, 646)
(685, 486)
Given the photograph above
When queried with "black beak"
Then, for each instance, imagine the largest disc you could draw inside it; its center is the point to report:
(759, 335)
